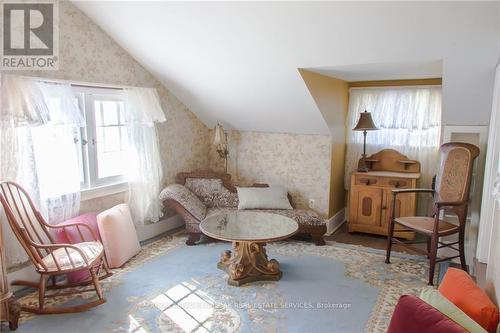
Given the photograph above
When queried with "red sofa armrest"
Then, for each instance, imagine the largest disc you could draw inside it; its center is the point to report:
(412, 315)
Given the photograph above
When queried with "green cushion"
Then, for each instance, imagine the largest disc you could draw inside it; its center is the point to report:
(434, 298)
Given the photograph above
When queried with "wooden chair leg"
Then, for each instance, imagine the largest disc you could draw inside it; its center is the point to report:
(14, 313)
(67, 309)
(105, 266)
(390, 234)
(41, 291)
(97, 285)
(461, 248)
(428, 247)
(432, 259)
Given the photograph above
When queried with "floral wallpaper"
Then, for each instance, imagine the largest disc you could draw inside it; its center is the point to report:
(87, 54)
(299, 162)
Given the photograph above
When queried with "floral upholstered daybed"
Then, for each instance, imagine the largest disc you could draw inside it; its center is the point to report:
(204, 193)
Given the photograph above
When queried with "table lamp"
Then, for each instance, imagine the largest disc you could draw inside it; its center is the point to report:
(365, 123)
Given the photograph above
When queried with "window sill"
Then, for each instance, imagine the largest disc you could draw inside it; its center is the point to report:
(102, 191)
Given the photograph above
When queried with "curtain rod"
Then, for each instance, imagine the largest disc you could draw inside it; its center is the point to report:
(76, 83)
(94, 86)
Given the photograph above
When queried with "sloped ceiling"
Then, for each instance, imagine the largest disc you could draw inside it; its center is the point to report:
(237, 62)
(384, 71)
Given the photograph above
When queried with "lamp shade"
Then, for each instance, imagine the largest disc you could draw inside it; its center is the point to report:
(219, 137)
(365, 122)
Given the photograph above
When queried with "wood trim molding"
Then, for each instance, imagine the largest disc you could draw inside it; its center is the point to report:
(225, 177)
(391, 160)
(396, 83)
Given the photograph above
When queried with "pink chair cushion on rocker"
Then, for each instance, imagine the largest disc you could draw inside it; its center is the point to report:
(118, 235)
(71, 235)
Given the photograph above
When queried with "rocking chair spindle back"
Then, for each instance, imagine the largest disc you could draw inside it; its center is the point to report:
(50, 258)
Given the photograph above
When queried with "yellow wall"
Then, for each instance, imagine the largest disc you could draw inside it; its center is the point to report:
(332, 97)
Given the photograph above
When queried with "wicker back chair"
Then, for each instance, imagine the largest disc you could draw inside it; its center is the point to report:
(49, 258)
(451, 194)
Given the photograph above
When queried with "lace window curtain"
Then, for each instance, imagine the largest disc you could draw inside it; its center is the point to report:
(38, 121)
(144, 170)
(409, 121)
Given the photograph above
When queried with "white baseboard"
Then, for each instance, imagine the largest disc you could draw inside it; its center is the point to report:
(335, 222)
(148, 231)
(144, 232)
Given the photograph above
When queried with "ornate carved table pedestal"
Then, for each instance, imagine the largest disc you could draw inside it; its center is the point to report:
(249, 232)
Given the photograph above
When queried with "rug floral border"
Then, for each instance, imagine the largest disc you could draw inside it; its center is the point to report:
(406, 274)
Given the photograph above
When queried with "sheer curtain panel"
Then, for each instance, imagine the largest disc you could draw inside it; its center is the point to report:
(144, 170)
(409, 121)
(38, 121)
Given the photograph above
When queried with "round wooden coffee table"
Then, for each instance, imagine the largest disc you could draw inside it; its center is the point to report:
(249, 231)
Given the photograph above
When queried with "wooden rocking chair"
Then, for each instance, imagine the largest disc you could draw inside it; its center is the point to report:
(50, 258)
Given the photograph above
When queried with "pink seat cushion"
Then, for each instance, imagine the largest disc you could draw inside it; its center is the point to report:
(118, 235)
(71, 235)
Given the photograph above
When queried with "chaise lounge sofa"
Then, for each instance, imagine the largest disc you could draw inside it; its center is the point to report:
(204, 193)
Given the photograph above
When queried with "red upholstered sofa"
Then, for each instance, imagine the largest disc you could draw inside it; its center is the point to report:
(457, 289)
(412, 315)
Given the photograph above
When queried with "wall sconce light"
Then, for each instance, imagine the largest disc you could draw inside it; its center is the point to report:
(220, 142)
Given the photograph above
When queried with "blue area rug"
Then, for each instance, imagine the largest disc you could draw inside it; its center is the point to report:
(170, 287)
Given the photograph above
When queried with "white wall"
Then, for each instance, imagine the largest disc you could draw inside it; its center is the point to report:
(237, 62)
(489, 231)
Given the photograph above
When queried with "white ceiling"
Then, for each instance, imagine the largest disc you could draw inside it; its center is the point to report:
(384, 71)
(236, 62)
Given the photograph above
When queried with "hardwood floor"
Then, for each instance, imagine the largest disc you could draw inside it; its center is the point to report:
(380, 242)
(341, 236)
(368, 240)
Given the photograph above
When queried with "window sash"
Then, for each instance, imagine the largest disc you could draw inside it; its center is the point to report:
(88, 145)
(81, 142)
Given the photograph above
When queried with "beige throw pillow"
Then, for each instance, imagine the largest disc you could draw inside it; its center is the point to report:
(434, 298)
(118, 235)
(273, 197)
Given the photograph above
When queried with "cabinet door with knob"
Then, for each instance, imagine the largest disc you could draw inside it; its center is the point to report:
(366, 206)
(370, 201)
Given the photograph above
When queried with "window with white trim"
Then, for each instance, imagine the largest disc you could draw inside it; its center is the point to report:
(408, 119)
(102, 143)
